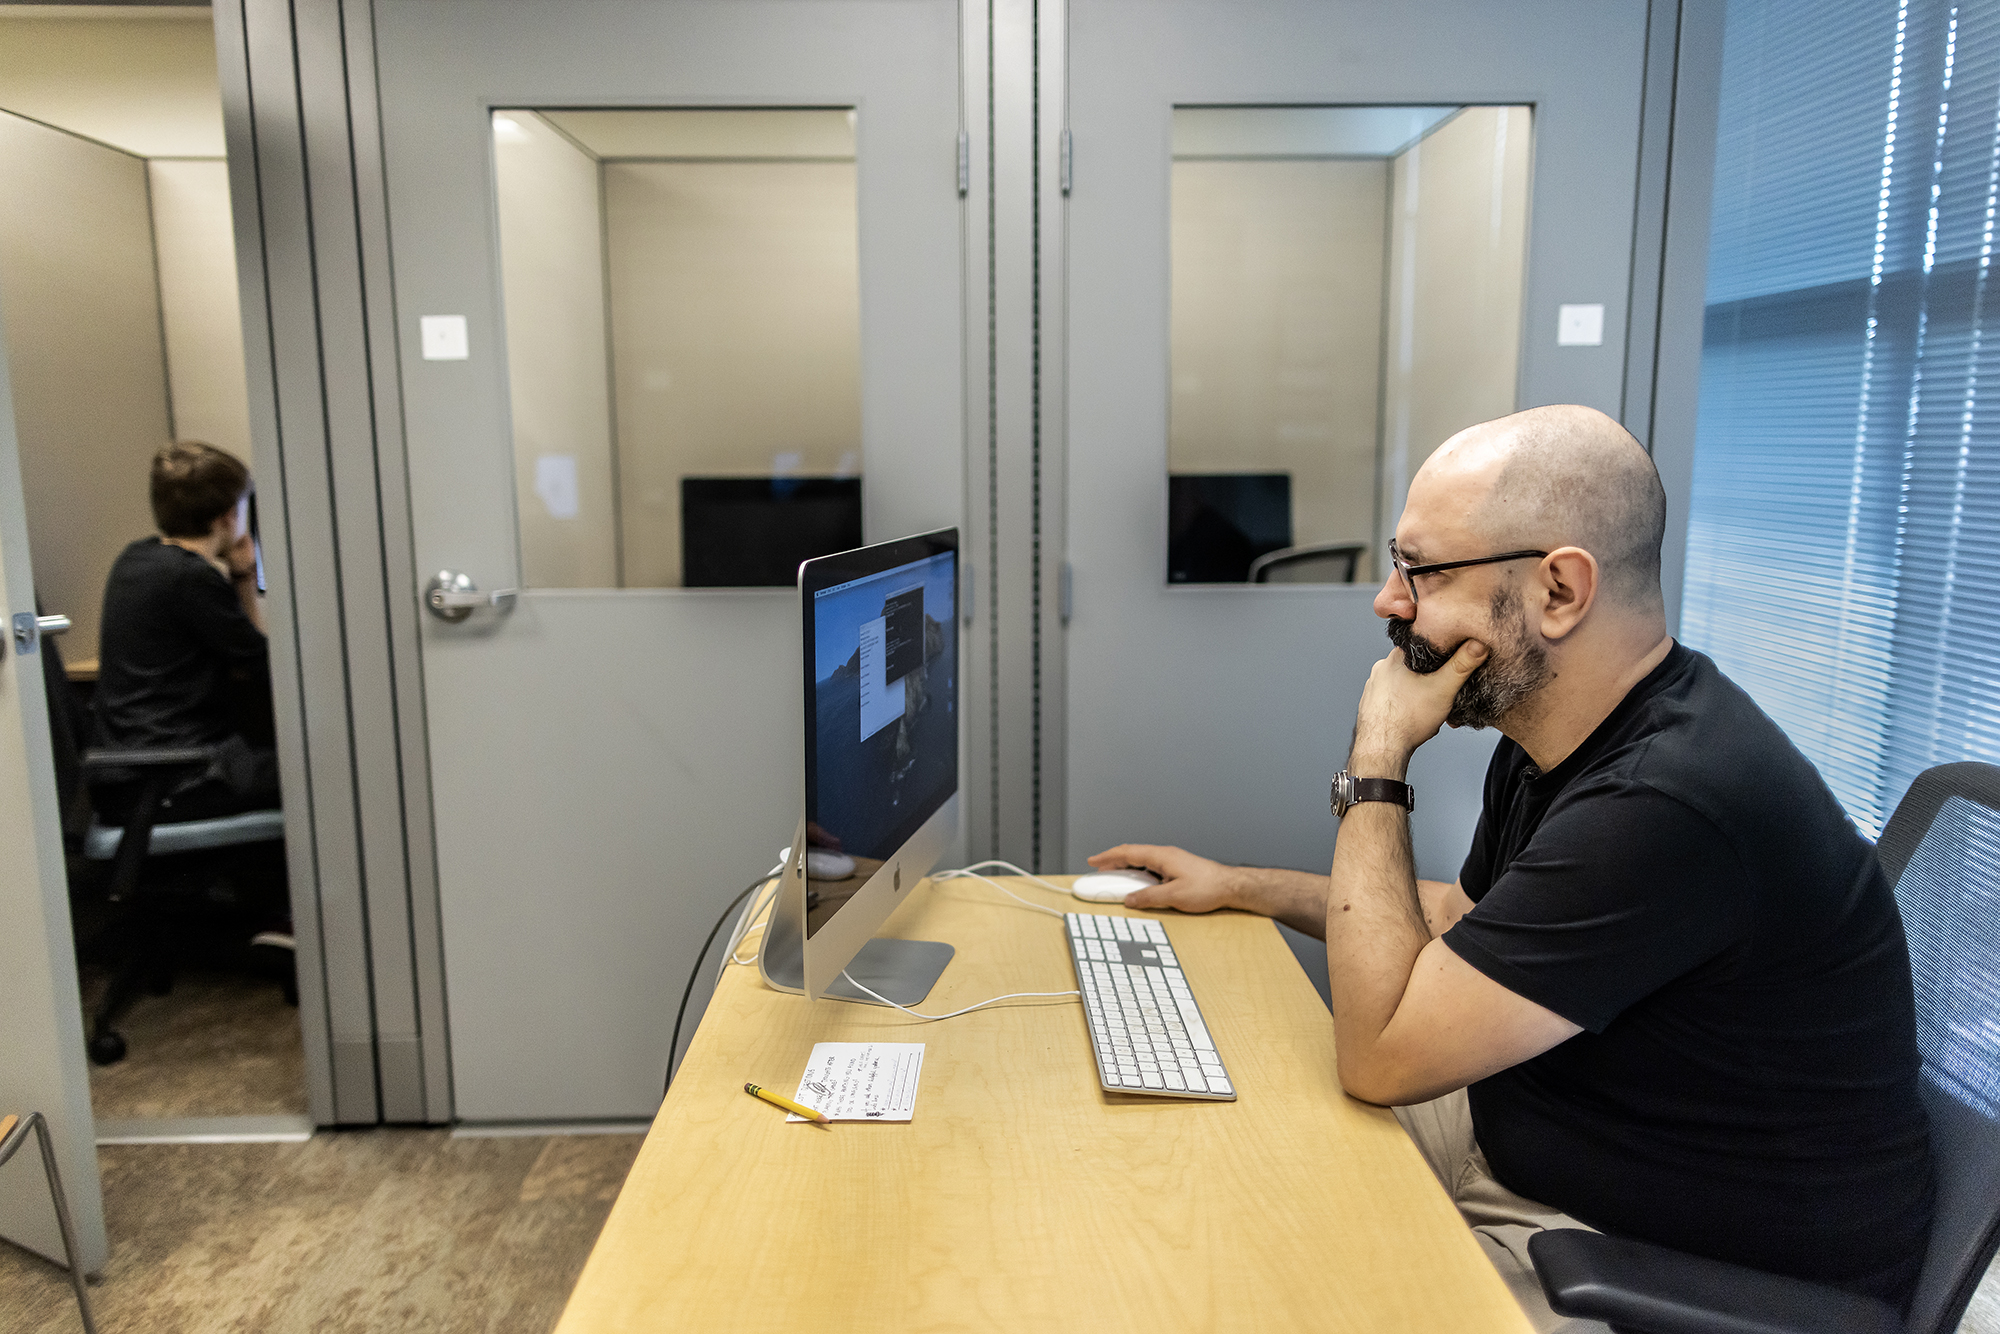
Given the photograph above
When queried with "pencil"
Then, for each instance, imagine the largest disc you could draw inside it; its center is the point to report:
(780, 1100)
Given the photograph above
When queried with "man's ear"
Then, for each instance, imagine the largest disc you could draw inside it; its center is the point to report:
(1569, 586)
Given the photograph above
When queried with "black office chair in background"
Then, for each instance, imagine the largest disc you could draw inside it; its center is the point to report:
(1320, 563)
(1941, 851)
(151, 873)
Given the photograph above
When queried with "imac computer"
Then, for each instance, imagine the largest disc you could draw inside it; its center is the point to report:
(880, 796)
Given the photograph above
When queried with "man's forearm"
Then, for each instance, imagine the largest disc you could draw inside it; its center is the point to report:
(1296, 898)
(1375, 923)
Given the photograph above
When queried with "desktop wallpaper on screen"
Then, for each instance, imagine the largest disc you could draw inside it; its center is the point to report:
(885, 677)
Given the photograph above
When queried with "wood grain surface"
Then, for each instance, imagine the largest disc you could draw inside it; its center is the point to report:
(1023, 1197)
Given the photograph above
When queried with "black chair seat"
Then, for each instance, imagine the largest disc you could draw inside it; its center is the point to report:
(1636, 1285)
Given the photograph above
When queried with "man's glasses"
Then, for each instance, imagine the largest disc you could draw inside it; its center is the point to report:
(1409, 572)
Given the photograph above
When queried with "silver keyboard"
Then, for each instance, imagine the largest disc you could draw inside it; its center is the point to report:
(1147, 1031)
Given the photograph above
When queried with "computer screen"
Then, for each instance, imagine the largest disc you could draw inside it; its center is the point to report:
(751, 532)
(881, 768)
(1218, 523)
(882, 729)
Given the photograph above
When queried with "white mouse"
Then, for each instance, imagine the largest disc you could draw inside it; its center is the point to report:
(824, 865)
(1112, 886)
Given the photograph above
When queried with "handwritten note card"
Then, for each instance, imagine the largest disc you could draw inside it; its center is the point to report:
(862, 1081)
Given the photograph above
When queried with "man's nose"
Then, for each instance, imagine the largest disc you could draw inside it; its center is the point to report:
(1392, 600)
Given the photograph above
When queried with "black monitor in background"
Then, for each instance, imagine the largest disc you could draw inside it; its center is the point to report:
(1219, 522)
(752, 532)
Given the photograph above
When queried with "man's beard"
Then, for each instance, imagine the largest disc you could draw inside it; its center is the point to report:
(1515, 668)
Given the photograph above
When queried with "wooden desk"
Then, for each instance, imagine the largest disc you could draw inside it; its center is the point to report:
(1023, 1197)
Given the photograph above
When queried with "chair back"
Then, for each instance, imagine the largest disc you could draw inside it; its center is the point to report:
(1325, 563)
(1941, 851)
(69, 728)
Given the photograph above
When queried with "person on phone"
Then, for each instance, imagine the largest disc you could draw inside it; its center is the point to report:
(1669, 995)
(183, 660)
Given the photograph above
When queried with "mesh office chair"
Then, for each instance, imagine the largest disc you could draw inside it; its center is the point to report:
(137, 899)
(1941, 851)
(1321, 563)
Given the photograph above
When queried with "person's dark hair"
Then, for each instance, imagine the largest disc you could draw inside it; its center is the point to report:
(194, 484)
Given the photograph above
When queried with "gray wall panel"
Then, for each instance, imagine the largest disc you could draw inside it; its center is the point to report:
(313, 264)
(400, 577)
(254, 259)
(351, 456)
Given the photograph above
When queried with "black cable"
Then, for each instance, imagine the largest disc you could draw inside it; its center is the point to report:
(673, 1048)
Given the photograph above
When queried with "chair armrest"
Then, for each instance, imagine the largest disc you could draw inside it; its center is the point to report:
(98, 761)
(1647, 1289)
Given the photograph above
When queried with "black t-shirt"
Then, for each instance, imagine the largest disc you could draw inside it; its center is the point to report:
(1686, 889)
(179, 662)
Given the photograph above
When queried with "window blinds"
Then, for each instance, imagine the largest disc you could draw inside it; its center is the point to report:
(1844, 527)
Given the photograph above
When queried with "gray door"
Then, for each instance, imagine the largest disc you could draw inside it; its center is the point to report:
(610, 765)
(41, 1043)
(1213, 715)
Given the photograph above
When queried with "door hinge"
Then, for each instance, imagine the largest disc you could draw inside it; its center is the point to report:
(964, 164)
(1063, 167)
(1065, 592)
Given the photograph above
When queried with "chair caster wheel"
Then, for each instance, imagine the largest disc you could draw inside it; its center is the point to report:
(107, 1048)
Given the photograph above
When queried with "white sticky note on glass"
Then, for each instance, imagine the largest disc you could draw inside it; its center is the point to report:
(555, 483)
(881, 700)
(1580, 326)
(862, 1081)
(444, 337)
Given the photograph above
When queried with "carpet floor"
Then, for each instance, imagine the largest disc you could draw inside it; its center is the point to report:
(218, 1044)
(382, 1230)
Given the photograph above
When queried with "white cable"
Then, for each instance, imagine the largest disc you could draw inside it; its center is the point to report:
(744, 922)
(1012, 995)
(978, 866)
(972, 873)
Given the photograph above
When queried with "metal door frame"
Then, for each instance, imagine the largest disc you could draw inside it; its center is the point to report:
(306, 186)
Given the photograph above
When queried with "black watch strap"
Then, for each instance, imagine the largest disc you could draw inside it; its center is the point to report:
(1349, 791)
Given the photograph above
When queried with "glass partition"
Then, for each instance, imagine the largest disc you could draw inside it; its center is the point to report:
(682, 295)
(1346, 293)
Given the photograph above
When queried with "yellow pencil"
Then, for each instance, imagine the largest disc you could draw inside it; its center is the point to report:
(779, 1100)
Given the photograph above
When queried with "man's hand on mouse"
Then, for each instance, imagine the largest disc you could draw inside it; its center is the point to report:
(1187, 883)
(1401, 709)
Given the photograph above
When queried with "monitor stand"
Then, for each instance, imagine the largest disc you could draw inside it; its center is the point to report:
(904, 971)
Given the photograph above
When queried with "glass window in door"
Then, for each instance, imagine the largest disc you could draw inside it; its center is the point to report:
(682, 295)
(1346, 292)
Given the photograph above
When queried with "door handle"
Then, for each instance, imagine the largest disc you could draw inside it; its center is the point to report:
(453, 597)
(29, 629)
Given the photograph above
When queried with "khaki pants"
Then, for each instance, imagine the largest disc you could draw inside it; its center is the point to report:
(1501, 1220)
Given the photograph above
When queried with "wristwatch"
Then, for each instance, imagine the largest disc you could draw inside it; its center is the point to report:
(1349, 791)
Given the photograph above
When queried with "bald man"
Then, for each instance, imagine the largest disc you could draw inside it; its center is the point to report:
(1669, 995)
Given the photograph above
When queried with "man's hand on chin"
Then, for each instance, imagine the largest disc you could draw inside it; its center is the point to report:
(1401, 709)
